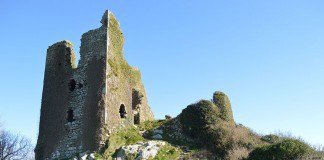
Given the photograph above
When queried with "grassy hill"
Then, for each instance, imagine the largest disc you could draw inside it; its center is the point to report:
(207, 130)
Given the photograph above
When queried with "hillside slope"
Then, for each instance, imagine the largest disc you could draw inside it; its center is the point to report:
(203, 130)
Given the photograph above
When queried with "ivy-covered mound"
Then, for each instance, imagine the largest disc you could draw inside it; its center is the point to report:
(212, 125)
(204, 130)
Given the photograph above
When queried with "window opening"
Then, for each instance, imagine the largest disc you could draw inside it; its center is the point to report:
(137, 118)
(122, 111)
(72, 84)
(70, 115)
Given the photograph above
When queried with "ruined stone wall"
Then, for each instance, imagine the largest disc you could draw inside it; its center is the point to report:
(82, 106)
(56, 98)
(124, 83)
(93, 61)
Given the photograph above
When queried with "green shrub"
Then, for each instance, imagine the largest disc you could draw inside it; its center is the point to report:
(197, 117)
(218, 139)
(271, 138)
(228, 141)
(286, 149)
(221, 100)
(203, 121)
(151, 125)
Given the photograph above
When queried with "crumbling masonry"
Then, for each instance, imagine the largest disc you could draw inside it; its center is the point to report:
(82, 105)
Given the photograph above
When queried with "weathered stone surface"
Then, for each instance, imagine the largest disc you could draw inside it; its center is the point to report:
(82, 105)
(91, 156)
(141, 150)
(84, 157)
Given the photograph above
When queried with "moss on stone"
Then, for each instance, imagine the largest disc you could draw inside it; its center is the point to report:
(124, 136)
(115, 35)
(151, 125)
(119, 66)
(73, 63)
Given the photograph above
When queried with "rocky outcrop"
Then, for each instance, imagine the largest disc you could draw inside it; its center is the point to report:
(140, 151)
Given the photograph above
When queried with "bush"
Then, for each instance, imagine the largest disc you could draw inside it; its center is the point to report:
(237, 153)
(203, 121)
(228, 141)
(218, 139)
(221, 100)
(271, 138)
(197, 117)
(287, 149)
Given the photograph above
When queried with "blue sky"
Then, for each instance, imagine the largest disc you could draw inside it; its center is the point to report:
(267, 56)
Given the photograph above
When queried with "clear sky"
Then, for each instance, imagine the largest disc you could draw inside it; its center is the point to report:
(267, 56)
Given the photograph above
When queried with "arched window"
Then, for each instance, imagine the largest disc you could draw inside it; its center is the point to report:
(122, 111)
(137, 118)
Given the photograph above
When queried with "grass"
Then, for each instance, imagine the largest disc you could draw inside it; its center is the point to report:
(151, 125)
(168, 152)
(130, 135)
(166, 125)
(125, 136)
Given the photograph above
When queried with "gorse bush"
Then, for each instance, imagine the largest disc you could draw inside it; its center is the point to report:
(229, 142)
(287, 149)
(197, 117)
(218, 139)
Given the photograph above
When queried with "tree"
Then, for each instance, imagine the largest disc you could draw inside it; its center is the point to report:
(14, 146)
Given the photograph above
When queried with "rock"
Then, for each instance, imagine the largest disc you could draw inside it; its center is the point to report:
(84, 157)
(121, 154)
(148, 152)
(91, 156)
(157, 131)
(126, 150)
(151, 150)
(157, 136)
(143, 150)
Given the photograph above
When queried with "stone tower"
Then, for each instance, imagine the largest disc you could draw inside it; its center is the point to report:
(82, 105)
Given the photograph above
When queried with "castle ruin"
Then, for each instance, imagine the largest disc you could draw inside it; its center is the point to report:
(82, 105)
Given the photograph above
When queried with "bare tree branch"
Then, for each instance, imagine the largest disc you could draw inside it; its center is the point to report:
(14, 146)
